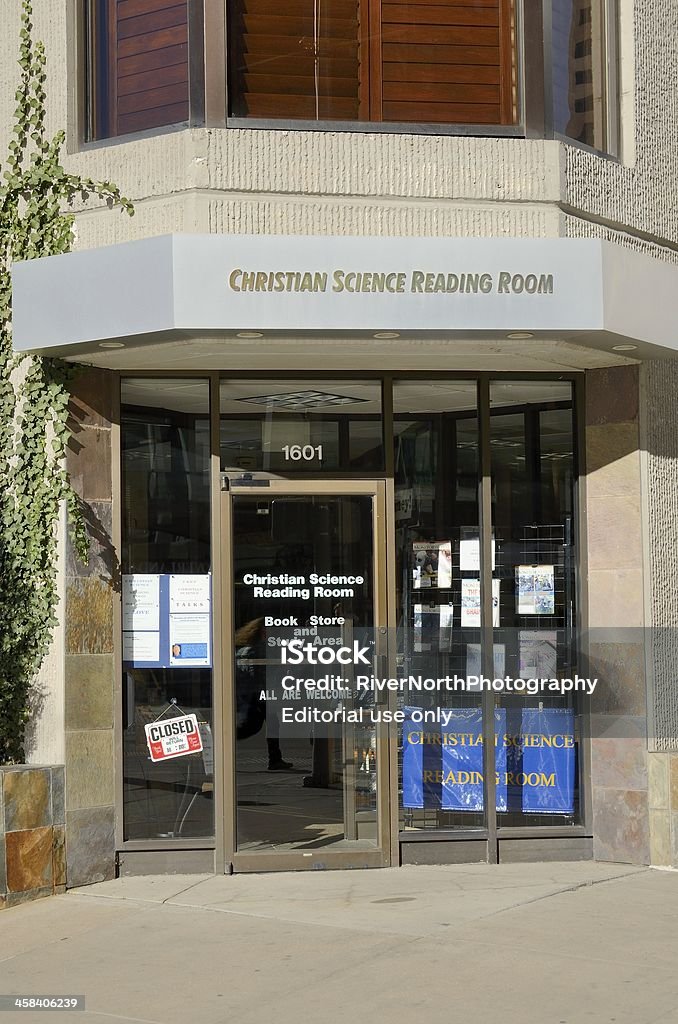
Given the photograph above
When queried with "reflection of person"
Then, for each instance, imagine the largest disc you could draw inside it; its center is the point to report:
(250, 681)
(176, 650)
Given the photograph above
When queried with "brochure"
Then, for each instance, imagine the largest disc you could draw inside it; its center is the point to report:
(535, 589)
(432, 564)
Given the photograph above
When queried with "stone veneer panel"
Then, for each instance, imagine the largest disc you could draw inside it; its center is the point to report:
(615, 595)
(659, 789)
(673, 783)
(29, 859)
(89, 851)
(58, 796)
(660, 440)
(89, 463)
(89, 698)
(59, 856)
(89, 769)
(620, 670)
(660, 838)
(90, 846)
(612, 399)
(3, 869)
(101, 562)
(91, 403)
(620, 762)
(27, 799)
(619, 767)
(32, 833)
(89, 616)
(621, 826)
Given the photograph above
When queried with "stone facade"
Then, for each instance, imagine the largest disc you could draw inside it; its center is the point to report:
(659, 435)
(615, 592)
(632, 537)
(32, 833)
(89, 650)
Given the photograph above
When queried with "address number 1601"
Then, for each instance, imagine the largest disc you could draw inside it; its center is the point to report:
(302, 453)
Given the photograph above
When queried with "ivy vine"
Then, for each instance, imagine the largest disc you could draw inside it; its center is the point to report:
(34, 397)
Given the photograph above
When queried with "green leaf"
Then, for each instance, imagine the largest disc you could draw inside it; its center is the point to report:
(33, 191)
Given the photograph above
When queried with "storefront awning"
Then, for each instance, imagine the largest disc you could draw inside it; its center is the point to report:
(162, 294)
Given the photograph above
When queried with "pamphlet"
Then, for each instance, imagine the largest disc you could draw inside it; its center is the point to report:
(189, 640)
(469, 550)
(141, 602)
(470, 603)
(538, 654)
(535, 589)
(432, 564)
(473, 662)
(433, 627)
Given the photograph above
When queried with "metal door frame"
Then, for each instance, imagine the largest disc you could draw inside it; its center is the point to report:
(387, 817)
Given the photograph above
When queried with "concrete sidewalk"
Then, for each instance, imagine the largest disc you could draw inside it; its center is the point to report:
(534, 944)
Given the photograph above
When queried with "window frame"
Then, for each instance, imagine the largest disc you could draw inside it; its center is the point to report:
(494, 833)
(611, 99)
(93, 127)
(208, 84)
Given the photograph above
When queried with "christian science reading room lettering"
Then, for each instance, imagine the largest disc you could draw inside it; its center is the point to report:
(298, 587)
(395, 282)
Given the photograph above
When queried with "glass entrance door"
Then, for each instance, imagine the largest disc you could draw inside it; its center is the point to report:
(306, 627)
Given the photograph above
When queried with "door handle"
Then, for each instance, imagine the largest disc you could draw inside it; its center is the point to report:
(381, 694)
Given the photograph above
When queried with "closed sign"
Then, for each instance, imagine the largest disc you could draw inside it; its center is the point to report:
(173, 737)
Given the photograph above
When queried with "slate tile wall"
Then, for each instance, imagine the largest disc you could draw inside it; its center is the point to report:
(89, 660)
(32, 833)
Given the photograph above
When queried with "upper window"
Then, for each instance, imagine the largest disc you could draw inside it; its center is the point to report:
(582, 61)
(374, 60)
(139, 65)
(424, 62)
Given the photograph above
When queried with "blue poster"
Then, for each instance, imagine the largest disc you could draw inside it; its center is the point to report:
(535, 760)
(166, 620)
(443, 762)
(541, 761)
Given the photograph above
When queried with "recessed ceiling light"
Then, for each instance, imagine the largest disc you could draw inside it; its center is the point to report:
(520, 336)
(249, 334)
(624, 348)
(386, 335)
(111, 344)
(302, 400)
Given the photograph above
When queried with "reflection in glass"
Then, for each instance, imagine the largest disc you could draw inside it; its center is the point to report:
(303, 60)
(283, 427)
(438, 592)
(171, 799)
(305, 785)
(579, 72)
(166, 529)
(165, 469)
(533, 473)
(361, 60)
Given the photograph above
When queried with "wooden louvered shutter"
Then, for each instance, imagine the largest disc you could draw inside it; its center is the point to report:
(147, 64)
(446, 61)
(299, 59)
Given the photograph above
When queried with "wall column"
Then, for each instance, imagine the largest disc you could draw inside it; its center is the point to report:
(89, 659)
(619, 773)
